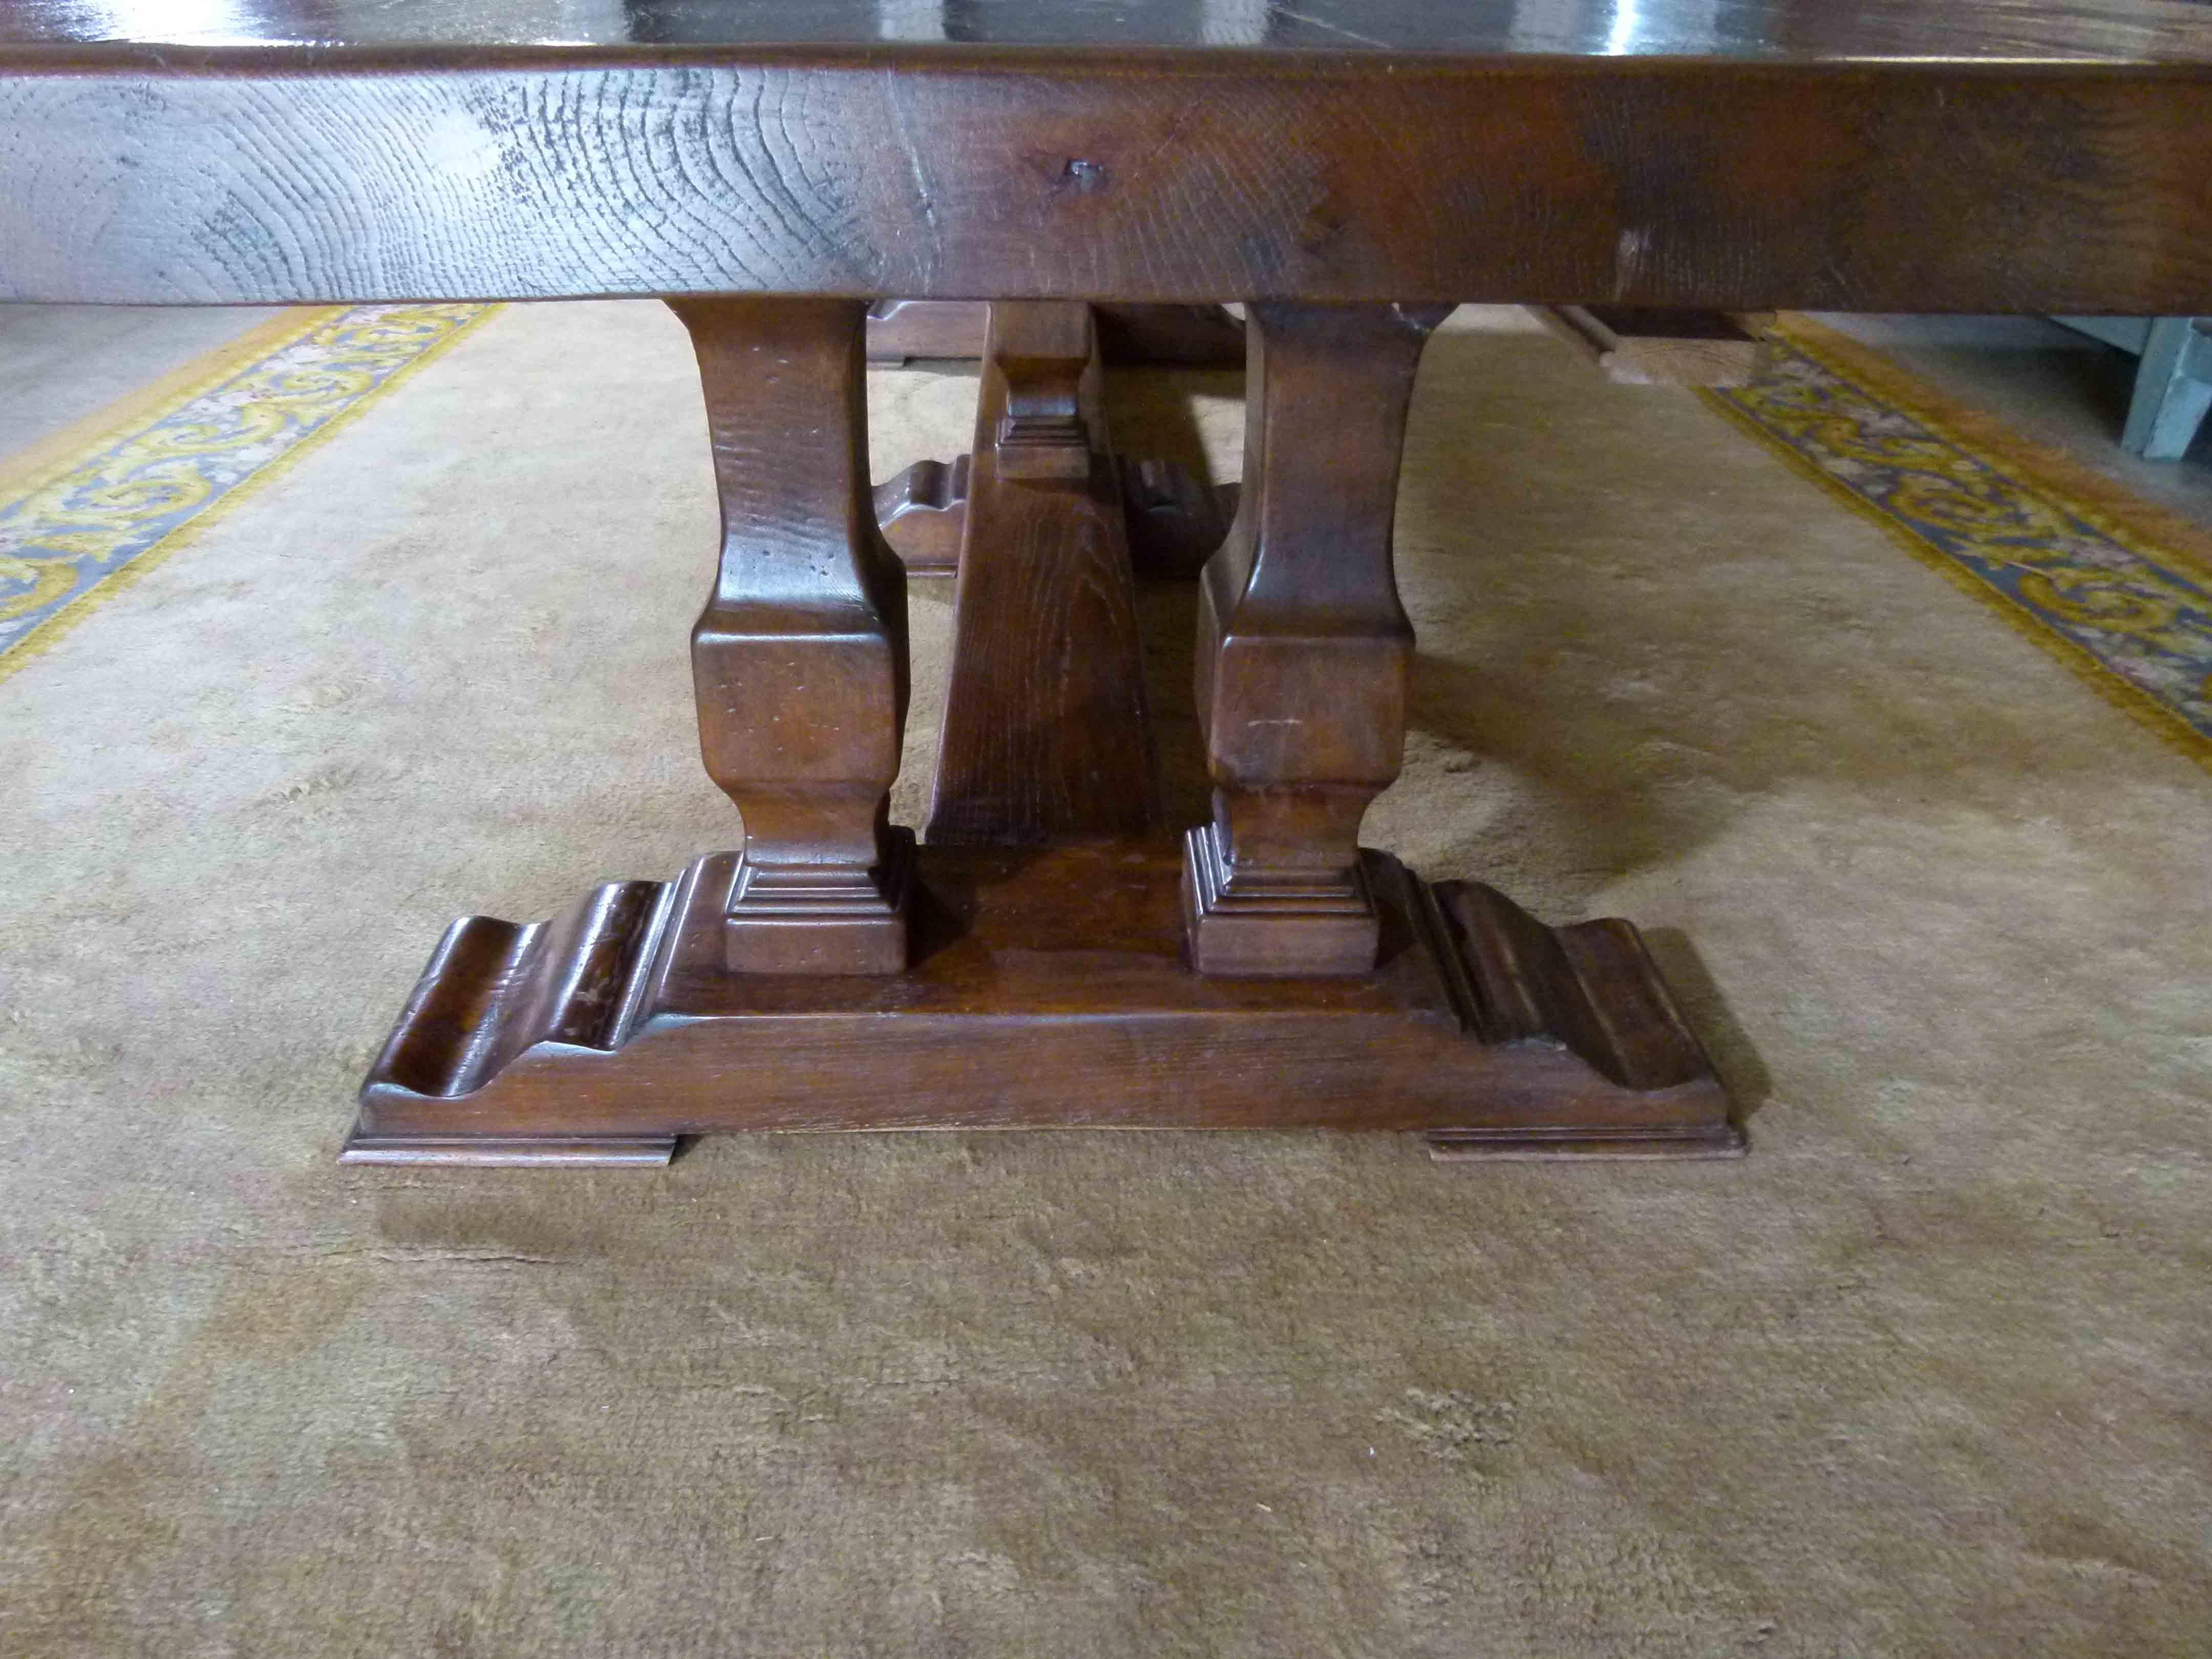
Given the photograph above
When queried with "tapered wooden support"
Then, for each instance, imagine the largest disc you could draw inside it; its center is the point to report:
(800, 660)
(1049, 987)
(1303, 648)
(1044, 735)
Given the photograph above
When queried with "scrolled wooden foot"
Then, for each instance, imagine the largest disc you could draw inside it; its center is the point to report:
(1591, 989)
(1590, 986)
(1048, 987)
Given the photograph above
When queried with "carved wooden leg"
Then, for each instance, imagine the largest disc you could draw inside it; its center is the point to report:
(1303, 649)
(799, 658)
(1048, 985)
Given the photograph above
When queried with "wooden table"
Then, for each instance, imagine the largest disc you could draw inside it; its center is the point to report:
(1052, 954)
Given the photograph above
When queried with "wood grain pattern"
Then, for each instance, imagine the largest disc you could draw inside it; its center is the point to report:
(1148, 176)
(1303, 648)
(799, 658)
(1049, 987)
(1044, 732)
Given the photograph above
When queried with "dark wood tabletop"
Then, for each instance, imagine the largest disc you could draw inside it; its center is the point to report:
(2104, 31)
(2000, 154)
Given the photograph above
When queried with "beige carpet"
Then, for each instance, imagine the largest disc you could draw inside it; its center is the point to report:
(1930, 1373)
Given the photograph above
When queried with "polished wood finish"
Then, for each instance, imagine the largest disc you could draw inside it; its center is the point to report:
(1658, 347)
(1173, 519)
(1303, 648)
(2005, 32)
(1921, 155)
(1048, 987)
(799, 658)
(1044, 734)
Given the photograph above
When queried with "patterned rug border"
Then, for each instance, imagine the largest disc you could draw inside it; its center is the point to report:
(2035, 469)
(42, 463)
(85, 442)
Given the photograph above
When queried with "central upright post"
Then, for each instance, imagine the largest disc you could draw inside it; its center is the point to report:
(1044, 738)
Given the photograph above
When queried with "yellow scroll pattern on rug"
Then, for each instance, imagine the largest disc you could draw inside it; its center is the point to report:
(74, 532)
(2132, 610)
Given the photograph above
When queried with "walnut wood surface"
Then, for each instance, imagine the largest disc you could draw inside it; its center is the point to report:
(2011, 31)
(1048, 987)
(799, 658)
(1043, 734)
(1303, 648)
(1795, 154)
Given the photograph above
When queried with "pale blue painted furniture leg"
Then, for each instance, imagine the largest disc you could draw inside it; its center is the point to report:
(2173, 382)
(2173, 388)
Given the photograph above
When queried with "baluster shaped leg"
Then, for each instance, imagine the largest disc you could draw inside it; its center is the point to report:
(799, 658)
(1303, 649)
